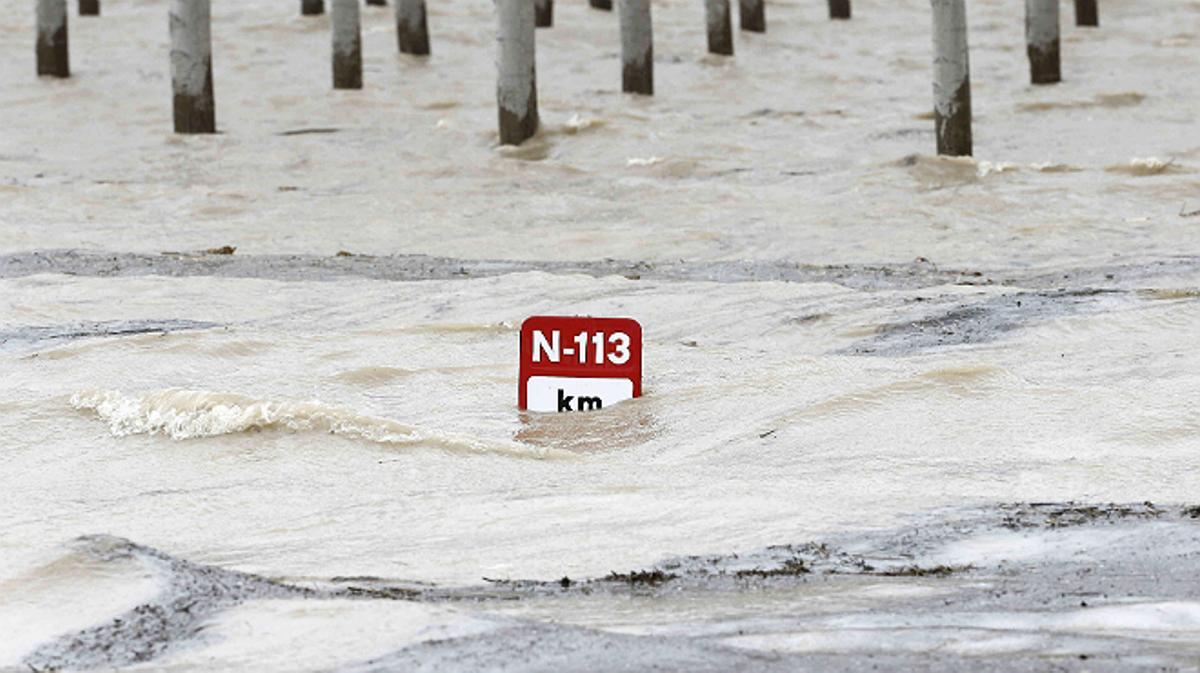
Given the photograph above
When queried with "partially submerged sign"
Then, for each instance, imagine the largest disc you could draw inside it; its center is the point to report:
(579, 364)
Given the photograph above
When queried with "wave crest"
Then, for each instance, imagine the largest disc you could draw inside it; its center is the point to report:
(191, 414)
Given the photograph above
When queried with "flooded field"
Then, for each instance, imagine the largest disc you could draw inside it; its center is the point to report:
(259, 388)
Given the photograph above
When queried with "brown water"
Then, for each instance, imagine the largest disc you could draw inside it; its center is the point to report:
(305, 427)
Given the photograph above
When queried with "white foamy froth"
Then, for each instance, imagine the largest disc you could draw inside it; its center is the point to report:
(192, 414)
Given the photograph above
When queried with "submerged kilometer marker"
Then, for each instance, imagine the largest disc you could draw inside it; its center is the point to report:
(579, 364)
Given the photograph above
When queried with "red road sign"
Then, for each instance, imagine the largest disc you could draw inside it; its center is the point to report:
(579, 364)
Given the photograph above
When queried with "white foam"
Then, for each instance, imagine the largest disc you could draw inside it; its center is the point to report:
(1150, 164)
(192, 414)
(985, 168)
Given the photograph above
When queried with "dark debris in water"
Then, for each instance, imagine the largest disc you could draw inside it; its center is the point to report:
(646, 577)
(309, 131)
(1058, 515)
(923, 571)
(789, 568)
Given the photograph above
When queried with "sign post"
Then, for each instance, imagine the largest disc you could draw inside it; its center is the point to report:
(579, 364)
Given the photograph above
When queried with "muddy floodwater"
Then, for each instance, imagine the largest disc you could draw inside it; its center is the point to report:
(258, 389)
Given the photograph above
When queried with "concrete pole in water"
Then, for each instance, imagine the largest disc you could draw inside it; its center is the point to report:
(52, 57)
(191, 66)
(720, 28)
(752, 14)
(637, 47)
(951, 78)
(839, 9)
(412, 30)
(545, 13)
(605, 5)
(1041, 41)
(347, 45)
(1086, 13)
(312, 7)
(516, 86)
(89, 7)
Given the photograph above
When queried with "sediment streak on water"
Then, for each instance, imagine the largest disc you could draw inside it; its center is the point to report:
(1118, 274)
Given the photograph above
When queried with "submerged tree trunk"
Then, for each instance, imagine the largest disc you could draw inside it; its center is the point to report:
(52, 56)
(1041, 41)
(412, 29)
(720, 28)
(516, 85)
(752, 14)
(637, 47)
(545, 13)
(1086, 13)
(191, 67)
(951, 78)
(347, 45)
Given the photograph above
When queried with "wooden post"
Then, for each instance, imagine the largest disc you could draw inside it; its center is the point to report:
(347, 45)
(516, 86)
(753, 16)
(637, 47)
(52, 56)
(191, 66)
(951, 78)
(605, 5)
(412, 30)
(1086, 13)
(381, 3)
(89, 7)
(312, 7)
(720, 28)
(1041, 41)
(839, 9)
(545, 13)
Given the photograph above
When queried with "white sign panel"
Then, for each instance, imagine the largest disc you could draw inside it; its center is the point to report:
(561, 393)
